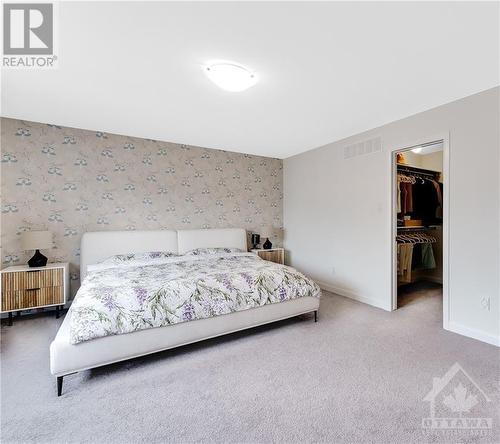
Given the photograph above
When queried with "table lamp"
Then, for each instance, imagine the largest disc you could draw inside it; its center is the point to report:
(36, 240)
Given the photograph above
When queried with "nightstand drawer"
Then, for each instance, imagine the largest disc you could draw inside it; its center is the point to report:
(23, 299)
(24, 280)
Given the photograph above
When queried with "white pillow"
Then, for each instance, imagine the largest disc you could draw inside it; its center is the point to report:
(129, 257)
(205, 251)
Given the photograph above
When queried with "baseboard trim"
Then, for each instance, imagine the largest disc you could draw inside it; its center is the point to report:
(349, 294)
(473, 333)
(452, 326)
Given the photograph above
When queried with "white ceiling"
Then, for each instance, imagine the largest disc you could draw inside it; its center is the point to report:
(327, 70)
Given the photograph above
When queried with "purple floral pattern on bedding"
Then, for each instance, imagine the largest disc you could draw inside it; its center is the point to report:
(124, 299)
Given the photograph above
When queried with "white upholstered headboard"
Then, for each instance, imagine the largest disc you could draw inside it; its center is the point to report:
(99, 245)
(212, 238)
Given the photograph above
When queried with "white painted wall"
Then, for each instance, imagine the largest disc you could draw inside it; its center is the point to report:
(337, 213)
(431, 161)
(412, 159)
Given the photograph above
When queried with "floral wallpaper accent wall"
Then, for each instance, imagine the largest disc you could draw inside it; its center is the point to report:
(70, 181)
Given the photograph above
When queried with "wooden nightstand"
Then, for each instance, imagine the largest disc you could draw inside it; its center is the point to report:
(25, 288)
(273, 254)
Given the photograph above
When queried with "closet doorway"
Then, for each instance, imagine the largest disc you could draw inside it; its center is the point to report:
(420, 225)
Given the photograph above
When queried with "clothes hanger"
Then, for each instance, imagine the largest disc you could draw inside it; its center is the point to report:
(409, 238)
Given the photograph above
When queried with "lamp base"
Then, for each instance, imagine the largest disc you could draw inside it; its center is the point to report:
(267, 245)
(38, 260)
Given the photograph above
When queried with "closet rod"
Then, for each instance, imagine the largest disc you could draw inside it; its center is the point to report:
(418, 228)
(410, 169)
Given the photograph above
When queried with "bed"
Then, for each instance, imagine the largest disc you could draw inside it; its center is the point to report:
(133, 302)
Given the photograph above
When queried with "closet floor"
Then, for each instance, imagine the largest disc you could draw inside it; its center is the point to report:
(422, 292)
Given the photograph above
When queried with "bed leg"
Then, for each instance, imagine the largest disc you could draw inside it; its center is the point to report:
(315, 315)
(59, 385)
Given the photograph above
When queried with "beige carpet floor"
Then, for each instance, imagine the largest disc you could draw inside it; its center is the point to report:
(358, 375)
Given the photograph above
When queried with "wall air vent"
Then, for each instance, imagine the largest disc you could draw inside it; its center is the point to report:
(361, 148)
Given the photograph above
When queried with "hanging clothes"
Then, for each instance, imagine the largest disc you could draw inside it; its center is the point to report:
(425, 201)
(439, 194)
(428, 260)
(416, 258)
(404, 192)
(419, 197)
(405, 259)
(409, 197)
(398, 195)
(414, 251)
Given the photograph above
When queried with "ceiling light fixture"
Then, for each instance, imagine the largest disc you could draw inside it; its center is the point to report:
(230, 76)
(428, 148)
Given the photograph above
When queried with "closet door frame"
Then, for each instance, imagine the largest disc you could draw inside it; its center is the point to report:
(445, 137)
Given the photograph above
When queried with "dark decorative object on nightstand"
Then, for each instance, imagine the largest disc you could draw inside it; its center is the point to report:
(37, 240)
(267, 232)
(38, 260)
(267, 245)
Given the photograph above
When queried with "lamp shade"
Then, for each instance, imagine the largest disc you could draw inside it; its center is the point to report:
(266, 232)
(36, 240)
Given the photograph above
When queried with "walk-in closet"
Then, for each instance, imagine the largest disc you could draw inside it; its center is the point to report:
(419, 195)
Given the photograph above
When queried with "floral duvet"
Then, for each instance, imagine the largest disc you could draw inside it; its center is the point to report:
(122, 297)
